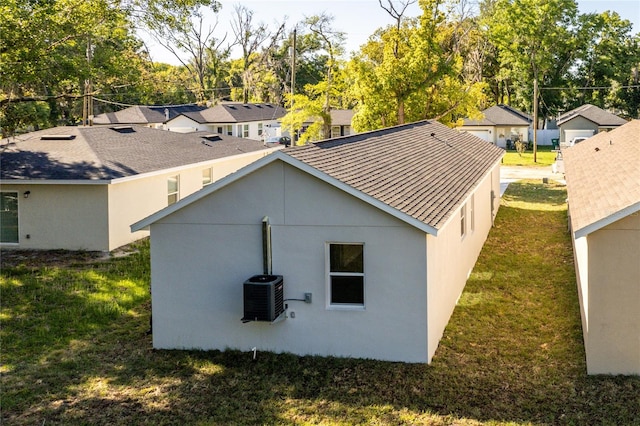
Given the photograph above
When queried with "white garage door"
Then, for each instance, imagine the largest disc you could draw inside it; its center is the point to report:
(482, 134)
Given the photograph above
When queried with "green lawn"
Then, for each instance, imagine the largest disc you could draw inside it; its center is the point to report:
(544, 157)
(75, 350)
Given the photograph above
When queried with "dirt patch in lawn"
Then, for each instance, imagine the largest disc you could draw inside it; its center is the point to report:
(59, 258)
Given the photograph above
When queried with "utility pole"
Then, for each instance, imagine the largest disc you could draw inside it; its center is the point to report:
(535, 119)
(87, 104)
(293, 78)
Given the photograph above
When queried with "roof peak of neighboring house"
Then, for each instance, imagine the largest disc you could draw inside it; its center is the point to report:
(110, 152)
(418, 172)
(501, 115)
(145, 114)
(237, 112)
(592, 113)
(603, 178)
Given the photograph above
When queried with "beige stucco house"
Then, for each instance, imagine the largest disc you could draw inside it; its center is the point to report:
(253, 121)
(374, 236)
(586, 121)
(603, 186)
(80, 188)
(499, 125)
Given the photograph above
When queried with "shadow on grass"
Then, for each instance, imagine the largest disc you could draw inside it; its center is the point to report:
(512, 353)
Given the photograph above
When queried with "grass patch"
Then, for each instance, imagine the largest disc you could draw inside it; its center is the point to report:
(544, 157)
(75, 350)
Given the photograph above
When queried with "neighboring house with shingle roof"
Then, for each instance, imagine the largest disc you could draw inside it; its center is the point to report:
(586, 120)
(341, 122)
(252, 121)
(500, 123)
(603, 188)
(80, 188)
(150, 116)
(380, 229)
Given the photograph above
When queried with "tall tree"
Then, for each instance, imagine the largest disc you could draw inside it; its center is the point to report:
(44, 52)
(411, 72)
(534, 41)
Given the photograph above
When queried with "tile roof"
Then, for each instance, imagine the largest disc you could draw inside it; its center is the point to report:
(144, 114)
(501, 115)
(594, 114)
(424, 169)
(100, 152)
(603, 177)
(237, 113)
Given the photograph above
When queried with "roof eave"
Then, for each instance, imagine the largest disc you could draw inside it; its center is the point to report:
(599, 224)
(146, 222)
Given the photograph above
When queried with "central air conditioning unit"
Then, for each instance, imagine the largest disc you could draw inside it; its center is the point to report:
(263, 298)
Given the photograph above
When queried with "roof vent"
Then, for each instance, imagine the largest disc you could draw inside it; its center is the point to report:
(123, 129)
(246, 106)
(57, 137)
(231, 107)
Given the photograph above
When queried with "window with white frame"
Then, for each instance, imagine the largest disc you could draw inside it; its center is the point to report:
(173, 189)
(207, 176)
(345, 271)
(259, 129)
(463, 220)
(229, 129)
(9, 217)
(335, 131)
(245, 130)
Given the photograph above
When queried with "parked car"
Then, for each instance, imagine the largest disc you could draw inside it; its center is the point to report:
(278, 140)
(577, 139)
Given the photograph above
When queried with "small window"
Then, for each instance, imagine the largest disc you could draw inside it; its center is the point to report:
(245, 131)
(219, 130)
(173, 189)
(207, 176)
(346, 274)
(463, 220)
(229, 130)
(9, 217)
(259, 129)
(335, 131)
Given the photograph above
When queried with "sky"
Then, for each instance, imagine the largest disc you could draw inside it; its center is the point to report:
(358, 19)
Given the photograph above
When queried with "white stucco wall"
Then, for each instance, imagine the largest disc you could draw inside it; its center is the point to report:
(203, 253)
(69, 216)
(451, 258)
(613, 343)
(578, 126)
(94, 216)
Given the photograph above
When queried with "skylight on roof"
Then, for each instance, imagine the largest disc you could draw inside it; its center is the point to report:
(57, 137)
(212, 137)
(123, 129)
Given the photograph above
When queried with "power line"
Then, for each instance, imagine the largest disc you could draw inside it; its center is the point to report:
(633, 86)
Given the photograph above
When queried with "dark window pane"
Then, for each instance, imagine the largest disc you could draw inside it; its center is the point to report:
(347, 290)
(9, 217)
(346, 258)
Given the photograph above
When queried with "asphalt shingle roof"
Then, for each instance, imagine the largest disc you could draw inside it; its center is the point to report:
(594, 114)
(144, 114)
(603, 175)
(501, 115)
(424, 169)
(100, 152)
(237, 113)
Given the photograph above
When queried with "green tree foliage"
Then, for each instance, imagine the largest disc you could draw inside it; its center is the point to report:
(411, 71)
(608, 57)
(534, 40)
(315, 102)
